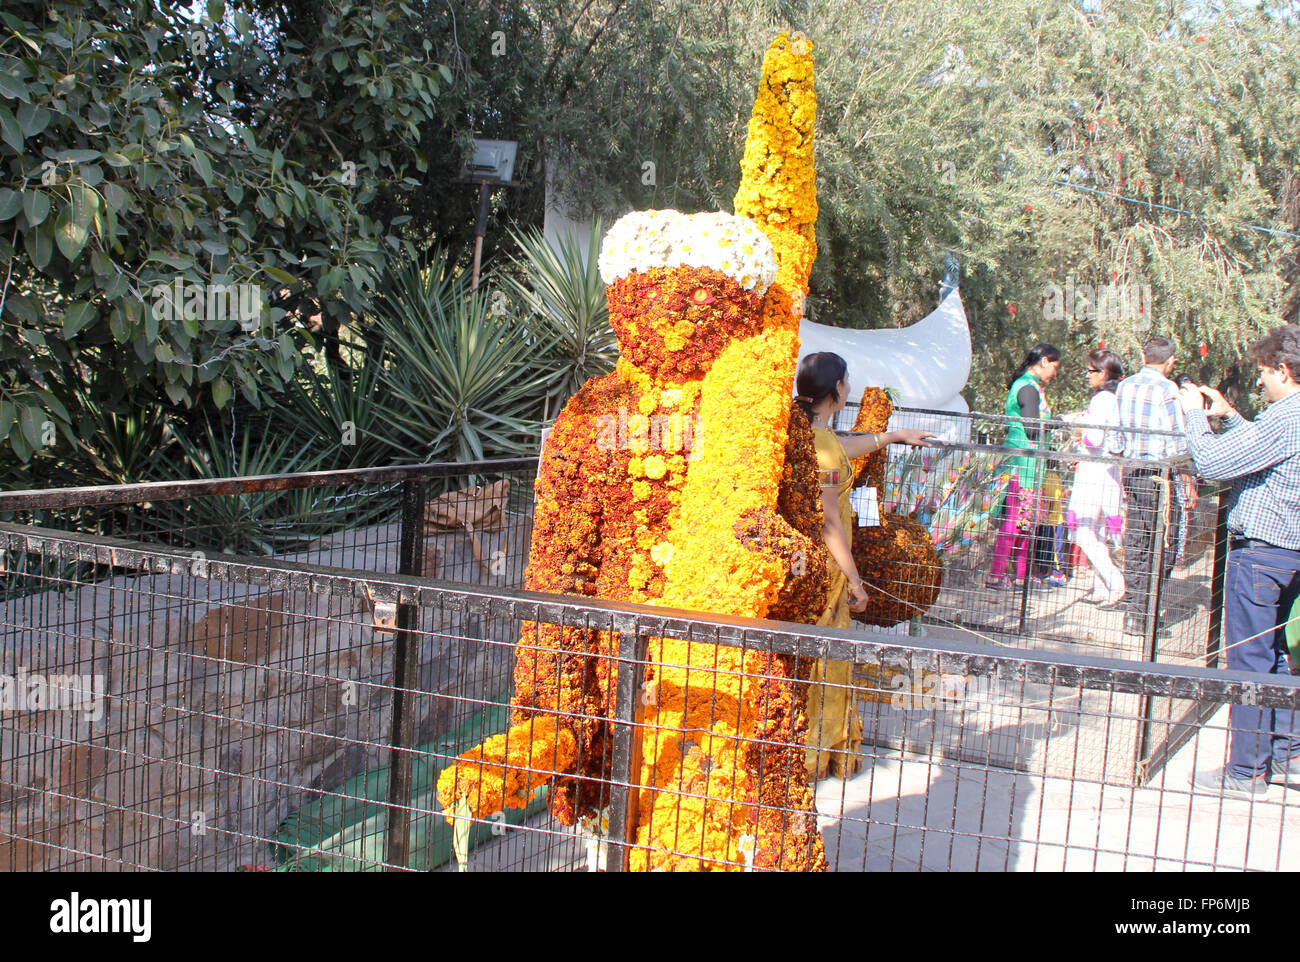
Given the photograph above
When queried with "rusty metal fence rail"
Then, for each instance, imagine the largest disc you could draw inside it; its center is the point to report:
(273, 714)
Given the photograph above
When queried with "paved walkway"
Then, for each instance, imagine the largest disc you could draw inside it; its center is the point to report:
(910, 813)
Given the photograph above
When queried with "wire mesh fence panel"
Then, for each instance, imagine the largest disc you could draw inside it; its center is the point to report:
(477, 519)
(291, 716)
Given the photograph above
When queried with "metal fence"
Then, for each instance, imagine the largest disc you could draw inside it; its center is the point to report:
(249, 717)
(291, 716)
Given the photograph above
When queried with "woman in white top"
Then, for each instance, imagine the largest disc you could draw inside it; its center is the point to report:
(1095, 498)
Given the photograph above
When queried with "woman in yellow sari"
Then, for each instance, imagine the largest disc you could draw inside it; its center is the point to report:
(834, 725)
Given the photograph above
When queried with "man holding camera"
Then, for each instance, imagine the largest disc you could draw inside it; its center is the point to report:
(1148, 407)
(1263, 571)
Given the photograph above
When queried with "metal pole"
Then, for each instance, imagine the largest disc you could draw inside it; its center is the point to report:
(1218, 578)
(480, 230)
(1162, 482)
(406, 663)
(624, 796)
(1031, 545)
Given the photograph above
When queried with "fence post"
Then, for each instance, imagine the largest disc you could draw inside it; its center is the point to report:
(1164, 484)
(406, 663)
(1218, 577)
(626, 766)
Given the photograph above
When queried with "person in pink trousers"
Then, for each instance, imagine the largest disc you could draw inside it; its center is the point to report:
(1027, 399)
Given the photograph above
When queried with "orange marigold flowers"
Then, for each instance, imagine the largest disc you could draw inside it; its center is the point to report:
(897, 559)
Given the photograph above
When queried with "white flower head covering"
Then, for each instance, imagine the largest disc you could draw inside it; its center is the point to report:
(667, 238)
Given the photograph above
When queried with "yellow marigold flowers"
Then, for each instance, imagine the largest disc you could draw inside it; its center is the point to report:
(661, 553)
(655, 467)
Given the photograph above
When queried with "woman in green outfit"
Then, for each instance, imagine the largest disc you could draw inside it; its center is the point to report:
(1026, 398)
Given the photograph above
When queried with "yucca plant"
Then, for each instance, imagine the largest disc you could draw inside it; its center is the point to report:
(265, 522)
(327, 409)
(458, 383)
(564, 295)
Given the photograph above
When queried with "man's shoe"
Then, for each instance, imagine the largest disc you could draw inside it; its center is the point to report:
(1288, 774)
(1222, 782)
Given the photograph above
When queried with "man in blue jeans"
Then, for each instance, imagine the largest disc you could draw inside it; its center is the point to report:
(1262, 457)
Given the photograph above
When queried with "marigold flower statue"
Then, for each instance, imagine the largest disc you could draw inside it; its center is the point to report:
(683, 480)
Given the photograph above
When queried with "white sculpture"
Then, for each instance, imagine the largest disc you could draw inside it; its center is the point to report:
(927, 363)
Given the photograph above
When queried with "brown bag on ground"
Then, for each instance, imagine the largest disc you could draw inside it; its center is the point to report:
(472, 510)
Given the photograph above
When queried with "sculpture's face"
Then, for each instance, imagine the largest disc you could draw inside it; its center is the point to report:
(681, 287)
(673, 322)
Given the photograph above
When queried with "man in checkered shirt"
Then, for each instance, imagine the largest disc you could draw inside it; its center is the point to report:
(1148, 402)
(1263, 573)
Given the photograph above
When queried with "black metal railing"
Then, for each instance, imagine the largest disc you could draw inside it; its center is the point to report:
(284, 714)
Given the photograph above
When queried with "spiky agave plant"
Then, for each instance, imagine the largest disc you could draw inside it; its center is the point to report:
(334, 411)
(265, 522)
(561, 288)
(458, 383)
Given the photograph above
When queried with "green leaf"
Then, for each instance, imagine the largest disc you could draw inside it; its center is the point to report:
(114, 196)
(21, 307)
(11, 202)
(177, 393)
(71, 231)
(445, 71)
(77, 156)
(280, 275)
(40, 248)
(203, 166)
(36, 205)
(13, 88)
(77, 316)
(31, 426)
(221, 392)
(340, 60)
(10, 130)
(21, 447)
(33, 119)
(119, 327)
(92, 175)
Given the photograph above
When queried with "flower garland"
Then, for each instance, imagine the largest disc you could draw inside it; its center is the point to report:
(897, 558)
